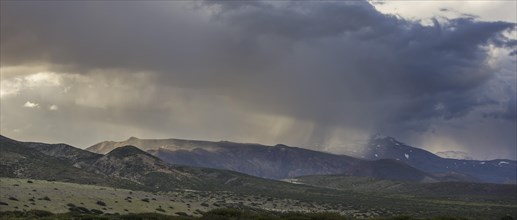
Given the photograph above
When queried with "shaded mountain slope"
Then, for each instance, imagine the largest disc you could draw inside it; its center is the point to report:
(273, 162)
(126, 167)
(19, 160)
(78, 157)
(130, 163)
(493, 171)
(391, 170)
(276, 162)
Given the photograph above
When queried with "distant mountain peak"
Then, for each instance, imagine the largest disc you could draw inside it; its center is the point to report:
(132, 138)
(377, 139)
(381, 137)
(378, 136)
(129, 162)
(127, 150)
(281, 145)
(280, 161)
(4, 138)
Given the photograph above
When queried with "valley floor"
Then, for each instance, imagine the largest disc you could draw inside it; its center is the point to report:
(62, 197)
(18, 196)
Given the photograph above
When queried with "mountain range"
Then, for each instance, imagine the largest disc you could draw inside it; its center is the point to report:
(382, 157)
(123, 167)
(491, 171)
(371, 186)
(185, 162)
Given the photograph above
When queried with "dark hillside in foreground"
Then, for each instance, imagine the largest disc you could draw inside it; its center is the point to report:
(19, 160)
(216, 214)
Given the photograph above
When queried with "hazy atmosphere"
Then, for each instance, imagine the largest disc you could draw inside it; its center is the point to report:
(320, 75)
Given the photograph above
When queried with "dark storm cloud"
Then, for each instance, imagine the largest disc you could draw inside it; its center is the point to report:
(363, 57)
(332, 63)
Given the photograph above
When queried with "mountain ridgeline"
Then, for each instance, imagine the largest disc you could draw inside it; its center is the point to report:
(273, 162)
(383, 158)
(384, 186)
(124, 167)
(491, 171)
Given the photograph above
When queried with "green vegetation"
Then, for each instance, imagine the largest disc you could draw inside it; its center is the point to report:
(216, 214)
(129, 180)
(103, 201)
(453, 193)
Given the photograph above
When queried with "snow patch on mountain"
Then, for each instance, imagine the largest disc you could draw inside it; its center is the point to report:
(460, 155)
(502, 162)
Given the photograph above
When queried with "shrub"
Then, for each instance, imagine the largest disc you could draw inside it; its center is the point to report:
(150, 216)
(79, 209)
(224, 212)
(26, 214)
(39, 213)
(101, 203)
(181, 214)
(95, 211)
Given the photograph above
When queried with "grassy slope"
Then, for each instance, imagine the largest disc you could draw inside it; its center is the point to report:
(358, 205)
(482, 195)
(17, 160)
(61, 194)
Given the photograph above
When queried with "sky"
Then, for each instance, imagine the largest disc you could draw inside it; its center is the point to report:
(324, 75)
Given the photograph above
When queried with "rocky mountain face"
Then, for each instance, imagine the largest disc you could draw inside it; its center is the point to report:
(273, 162)
(492, 171)
(130, 163)
(123, 167)
(79, 158)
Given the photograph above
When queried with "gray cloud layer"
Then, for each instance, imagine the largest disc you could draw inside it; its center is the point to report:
(334, 65)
